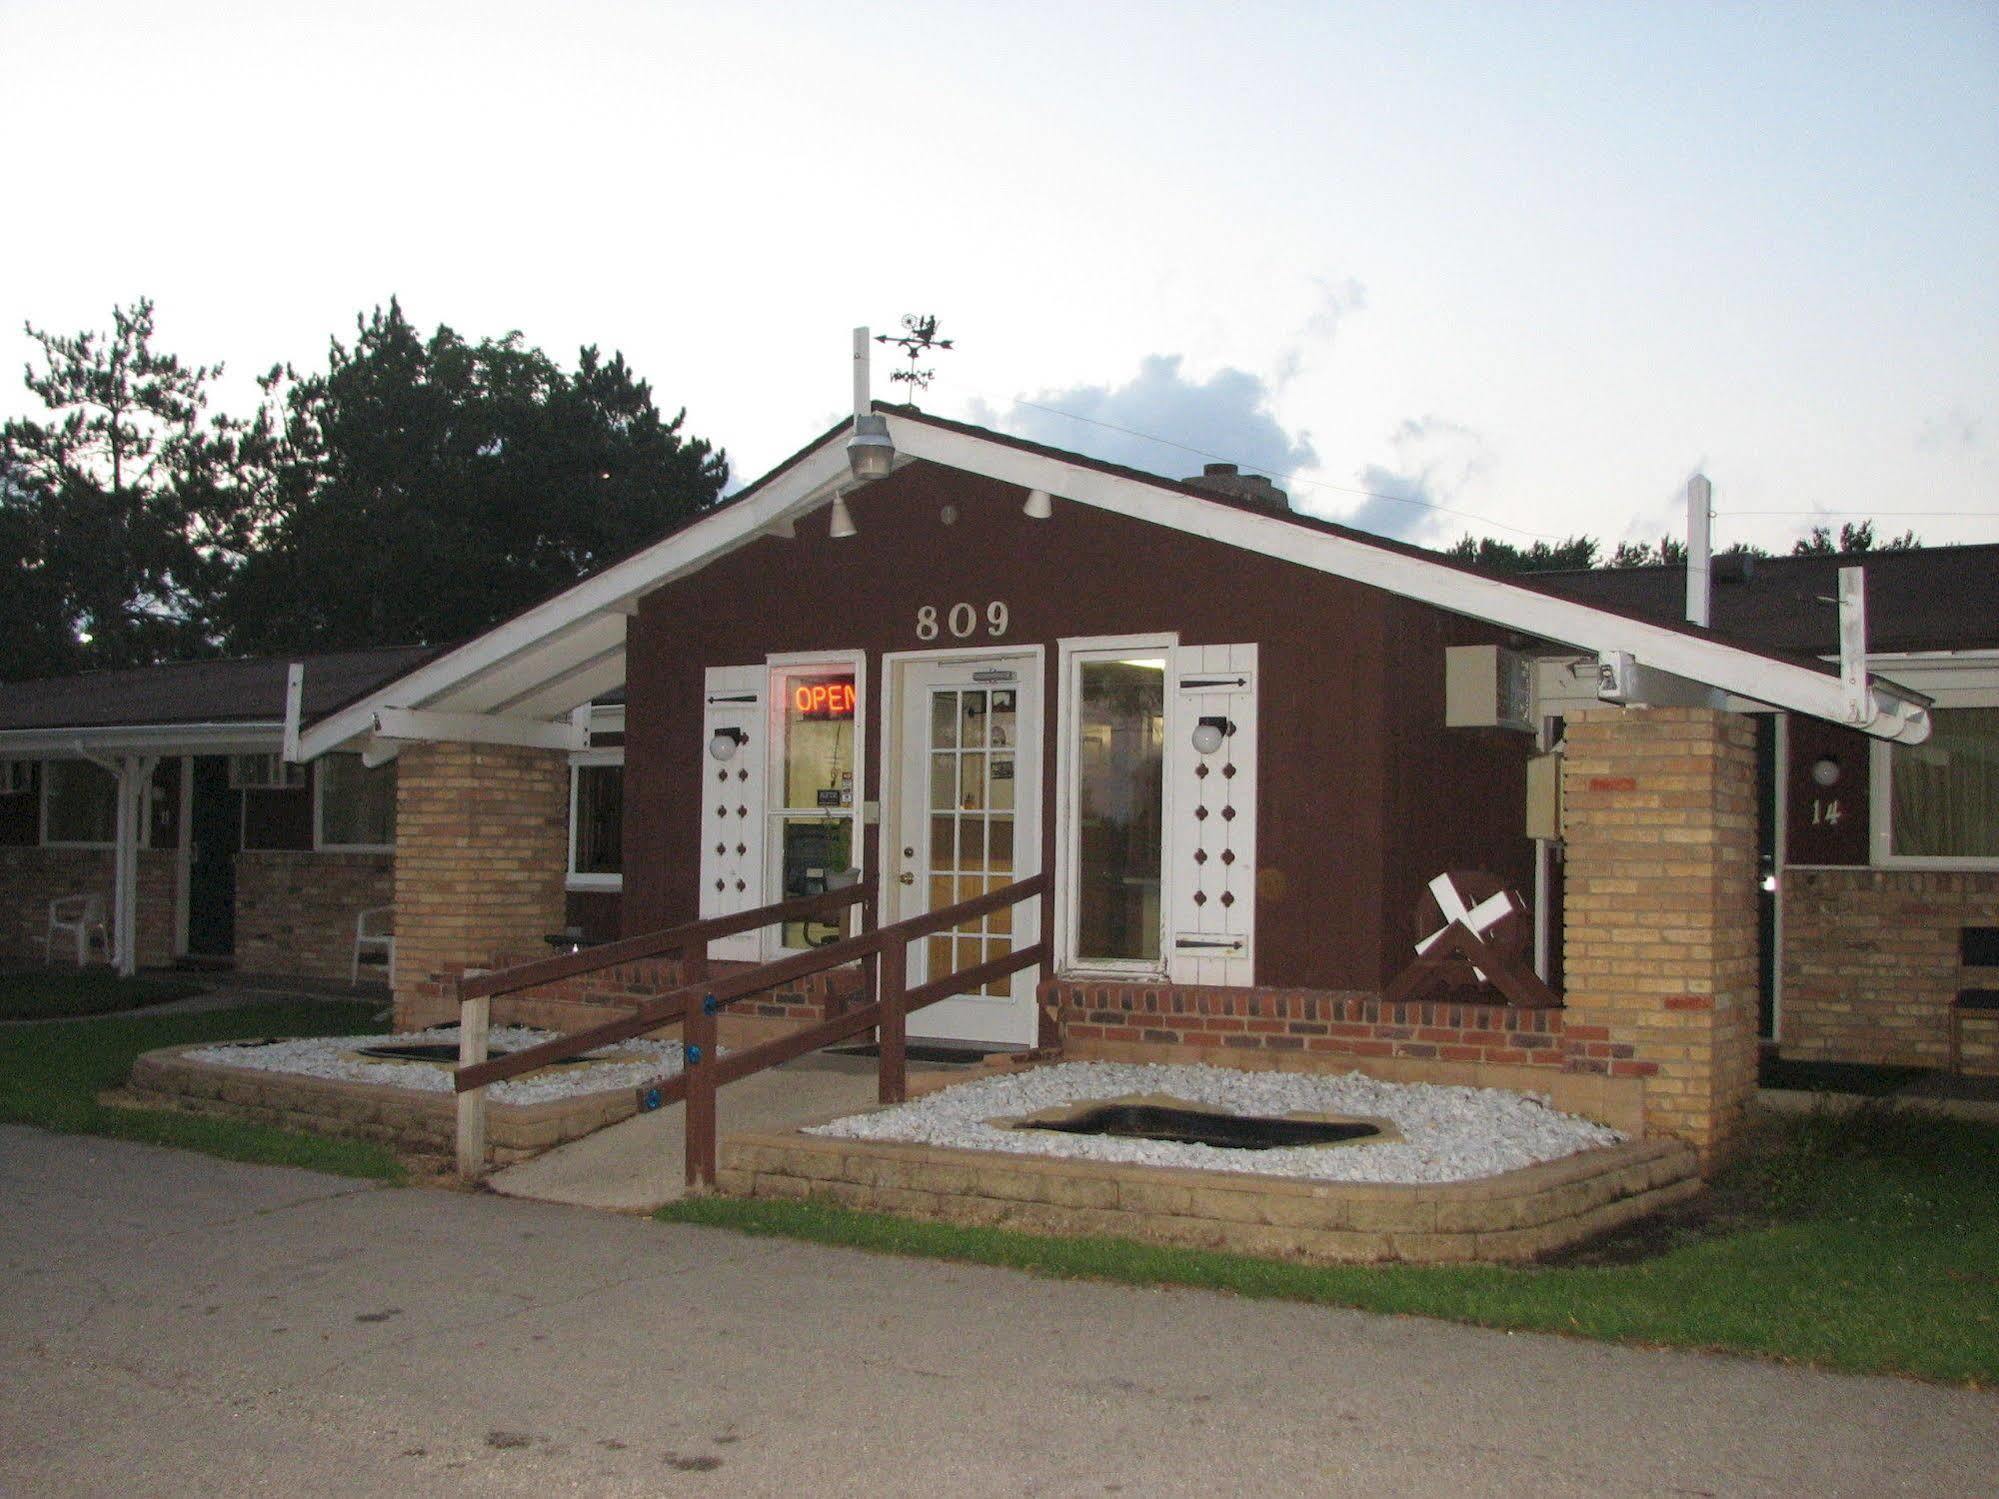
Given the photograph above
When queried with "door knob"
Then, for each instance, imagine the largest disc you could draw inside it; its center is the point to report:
(905, 878)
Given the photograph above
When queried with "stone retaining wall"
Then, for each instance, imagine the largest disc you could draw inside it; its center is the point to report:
(1517, 1216)
(406, 1121)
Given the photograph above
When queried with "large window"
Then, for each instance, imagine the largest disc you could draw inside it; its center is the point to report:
(79, 804)
(814, 803)
(356, 806)
(597, 821)
(1943, 794)
(1119, 717)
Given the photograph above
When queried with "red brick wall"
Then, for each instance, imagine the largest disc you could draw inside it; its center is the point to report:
(295, 911)
(32, 877)
(1319, 1023)
(1871, 962)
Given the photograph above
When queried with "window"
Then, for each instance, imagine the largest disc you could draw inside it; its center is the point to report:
(813, 807)
(1118, 747)
(1943, 794)
(597, 821)
(263, 773)
(355, 806)
(80, 803)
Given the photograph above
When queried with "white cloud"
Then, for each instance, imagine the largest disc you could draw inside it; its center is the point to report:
(1162, 422)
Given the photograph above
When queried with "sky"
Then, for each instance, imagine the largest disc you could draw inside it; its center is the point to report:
(1509, 269)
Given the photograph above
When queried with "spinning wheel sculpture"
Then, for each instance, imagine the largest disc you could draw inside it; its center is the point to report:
(1475, 933)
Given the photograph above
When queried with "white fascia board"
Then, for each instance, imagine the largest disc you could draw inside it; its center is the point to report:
(150, 739)
(1743, 673)
(475, 728)
(807, 483)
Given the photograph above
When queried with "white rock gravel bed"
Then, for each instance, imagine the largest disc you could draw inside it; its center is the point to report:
(1449, 1134)
(332, 1057)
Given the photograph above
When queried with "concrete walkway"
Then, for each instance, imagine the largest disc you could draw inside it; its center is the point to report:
(640, 1164)
(180, 1325)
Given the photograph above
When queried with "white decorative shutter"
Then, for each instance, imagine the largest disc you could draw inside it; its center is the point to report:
(1211, 917)
(732, 808)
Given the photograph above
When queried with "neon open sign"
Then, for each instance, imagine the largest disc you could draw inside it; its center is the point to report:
(823, 697)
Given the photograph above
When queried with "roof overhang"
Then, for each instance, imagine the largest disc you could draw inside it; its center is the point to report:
(558, 655)
(149, 739)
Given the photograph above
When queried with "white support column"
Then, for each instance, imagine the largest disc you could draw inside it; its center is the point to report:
(135, 778)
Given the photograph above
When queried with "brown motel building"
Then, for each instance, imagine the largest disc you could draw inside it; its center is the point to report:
(1242, 743)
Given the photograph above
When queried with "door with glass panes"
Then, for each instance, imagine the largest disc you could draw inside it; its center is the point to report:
(968, 821)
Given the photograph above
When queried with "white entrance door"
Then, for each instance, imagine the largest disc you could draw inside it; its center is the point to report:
(968, 805)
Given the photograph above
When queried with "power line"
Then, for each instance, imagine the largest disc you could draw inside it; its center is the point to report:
(1397, 499)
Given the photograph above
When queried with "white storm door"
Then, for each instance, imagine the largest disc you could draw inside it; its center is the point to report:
(968, 820)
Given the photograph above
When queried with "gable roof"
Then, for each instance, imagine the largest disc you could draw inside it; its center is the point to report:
(1927, 599)
(171, 699)
(566, 649)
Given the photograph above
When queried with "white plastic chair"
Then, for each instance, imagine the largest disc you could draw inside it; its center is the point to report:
(375, 931)
(77, 916)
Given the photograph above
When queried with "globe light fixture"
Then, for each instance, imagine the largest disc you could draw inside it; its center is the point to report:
(1210, 732)
(726, 742)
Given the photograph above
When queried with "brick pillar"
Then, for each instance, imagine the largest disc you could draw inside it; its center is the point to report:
(1659, 915)
(482, 846)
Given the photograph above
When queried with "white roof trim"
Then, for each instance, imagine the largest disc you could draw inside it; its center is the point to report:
(482, 668)
(1744, 673)
(519, 663)
(253, 738)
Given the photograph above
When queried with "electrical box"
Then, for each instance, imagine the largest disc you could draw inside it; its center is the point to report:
(1544, 797)
(1485, 687)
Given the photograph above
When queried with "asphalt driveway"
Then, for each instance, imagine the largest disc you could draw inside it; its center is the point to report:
(176, 1325)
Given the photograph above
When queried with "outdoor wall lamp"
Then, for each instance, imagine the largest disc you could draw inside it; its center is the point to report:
(1040, 505)
(726, 742)
(840, 524)
(871, 453)
(1210, 732)
(1825, 770)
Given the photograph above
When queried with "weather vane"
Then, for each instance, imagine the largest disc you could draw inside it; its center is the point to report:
(919, 338)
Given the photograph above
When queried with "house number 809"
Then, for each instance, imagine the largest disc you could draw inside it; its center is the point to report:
(962, 620)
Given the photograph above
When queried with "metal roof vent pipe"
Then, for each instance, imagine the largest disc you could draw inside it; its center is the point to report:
(871, 452)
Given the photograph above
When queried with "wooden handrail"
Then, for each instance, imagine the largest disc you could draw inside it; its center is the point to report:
(703, 1071)
(672, 1005)
(652, 944)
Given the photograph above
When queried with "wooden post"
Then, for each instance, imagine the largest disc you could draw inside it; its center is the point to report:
(697, 1035)
(893, 1031)
(473, 1018)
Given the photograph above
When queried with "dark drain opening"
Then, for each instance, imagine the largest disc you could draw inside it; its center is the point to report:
(1149, 1121)
(444, 1051)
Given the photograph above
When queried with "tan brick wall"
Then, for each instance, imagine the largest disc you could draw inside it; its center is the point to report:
(481, 847)
(32, 877)
(1871, 962)
(1660, 942)
(295, 910)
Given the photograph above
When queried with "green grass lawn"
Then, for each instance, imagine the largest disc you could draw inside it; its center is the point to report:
(50, 1075)
(1872, 1247)
(52, 994)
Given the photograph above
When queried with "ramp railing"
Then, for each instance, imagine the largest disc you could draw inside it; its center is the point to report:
(697, 1004)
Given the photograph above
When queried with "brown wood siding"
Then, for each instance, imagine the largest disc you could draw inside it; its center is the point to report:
(1810, 839)
(1354, 759)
